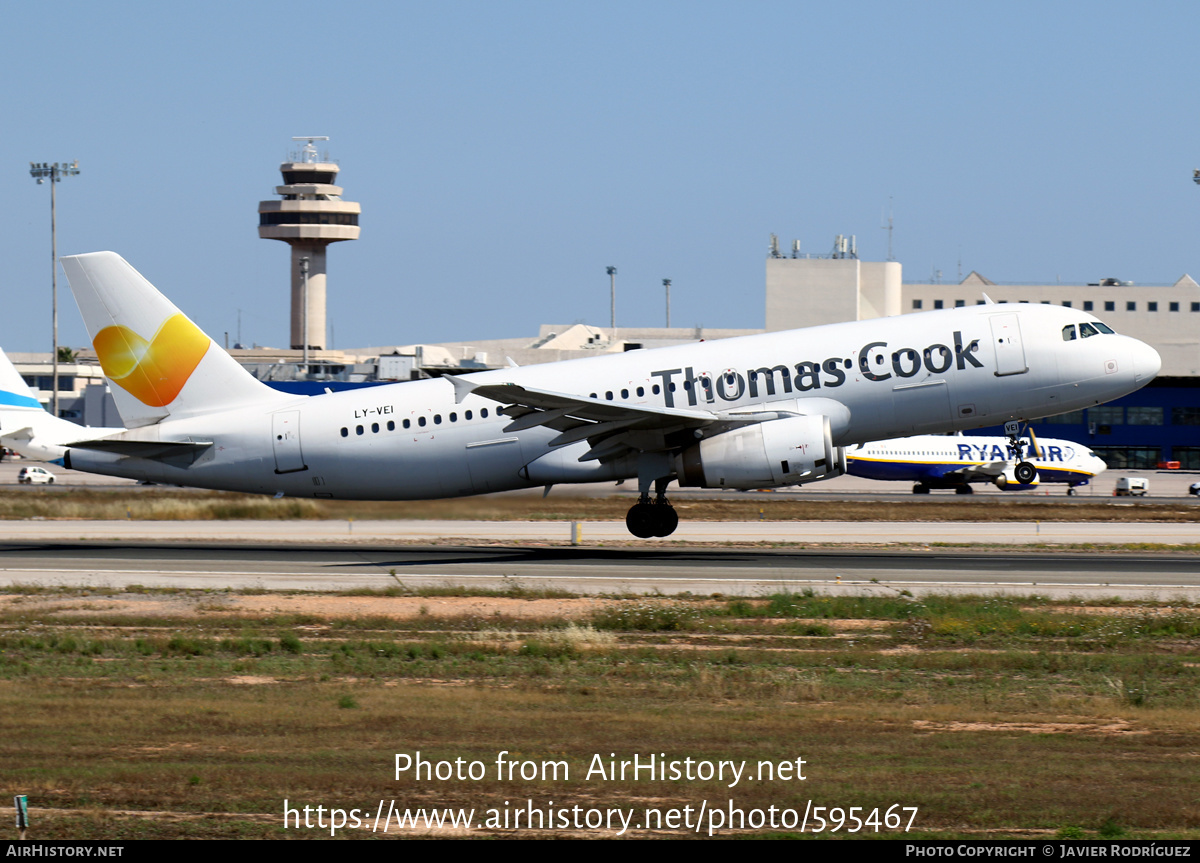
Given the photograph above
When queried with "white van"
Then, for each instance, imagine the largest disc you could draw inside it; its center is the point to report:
(1132, 486)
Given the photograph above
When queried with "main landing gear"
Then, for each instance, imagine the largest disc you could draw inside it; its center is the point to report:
(657, 517)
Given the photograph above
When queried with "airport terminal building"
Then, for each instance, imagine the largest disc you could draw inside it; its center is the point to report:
(1159, 423)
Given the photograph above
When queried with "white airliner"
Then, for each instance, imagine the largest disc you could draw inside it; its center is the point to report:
(956, 461)
(28, 428)
(768, 410)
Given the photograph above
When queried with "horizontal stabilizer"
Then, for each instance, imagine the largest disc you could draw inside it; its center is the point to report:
(151, 449)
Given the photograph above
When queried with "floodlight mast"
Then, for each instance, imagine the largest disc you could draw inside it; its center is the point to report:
(54, 172)
(612, 295)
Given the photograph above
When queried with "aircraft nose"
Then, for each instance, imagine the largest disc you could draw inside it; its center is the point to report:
(1146, 362)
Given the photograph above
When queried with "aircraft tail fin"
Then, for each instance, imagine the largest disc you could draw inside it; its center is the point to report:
(160, 363)
(25, 426)
(14, 392)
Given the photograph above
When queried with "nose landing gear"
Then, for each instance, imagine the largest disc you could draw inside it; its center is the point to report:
(1024, 472)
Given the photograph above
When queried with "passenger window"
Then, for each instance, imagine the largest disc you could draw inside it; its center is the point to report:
(407, 423)
(421, 421)
(374, 428)
(483, 412)
(1069, 333)
(1087, 331)
(358, 429)
(345, 432)
(467, 414)
(391, 425)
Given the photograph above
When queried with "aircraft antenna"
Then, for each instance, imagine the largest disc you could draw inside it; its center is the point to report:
(888, 228)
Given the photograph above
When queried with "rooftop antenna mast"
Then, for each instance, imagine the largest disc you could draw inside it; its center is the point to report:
(888, 228)
(308, 153)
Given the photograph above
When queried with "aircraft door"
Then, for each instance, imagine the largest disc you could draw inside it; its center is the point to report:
(1010, 350)
(285, 434)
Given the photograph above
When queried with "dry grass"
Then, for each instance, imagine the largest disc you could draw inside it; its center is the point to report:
(994, 716)
(176, 504)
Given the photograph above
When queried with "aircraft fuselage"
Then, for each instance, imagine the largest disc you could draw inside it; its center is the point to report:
(938, 371)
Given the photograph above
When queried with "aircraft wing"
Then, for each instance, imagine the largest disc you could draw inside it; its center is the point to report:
(611, 428)
(991, 470)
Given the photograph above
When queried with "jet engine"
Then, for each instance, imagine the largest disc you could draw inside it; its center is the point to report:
(1008, 480)
(788, 451)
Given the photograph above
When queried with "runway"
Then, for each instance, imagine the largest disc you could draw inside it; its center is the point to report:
(635, 570)
(325, 533)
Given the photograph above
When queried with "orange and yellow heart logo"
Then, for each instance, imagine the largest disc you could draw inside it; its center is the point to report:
(152, 371)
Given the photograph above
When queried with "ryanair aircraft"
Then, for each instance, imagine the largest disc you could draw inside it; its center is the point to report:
(775, 409)
(956, 461)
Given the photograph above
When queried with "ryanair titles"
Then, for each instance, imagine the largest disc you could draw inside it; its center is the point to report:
(731, 385)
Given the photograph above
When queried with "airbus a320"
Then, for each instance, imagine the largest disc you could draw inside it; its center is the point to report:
(775, 409)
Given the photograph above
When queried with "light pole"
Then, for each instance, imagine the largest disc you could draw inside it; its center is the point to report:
(667, 285)
(54, 172)
(612, 292)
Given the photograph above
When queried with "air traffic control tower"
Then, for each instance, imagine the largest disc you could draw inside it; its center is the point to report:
(311, 215)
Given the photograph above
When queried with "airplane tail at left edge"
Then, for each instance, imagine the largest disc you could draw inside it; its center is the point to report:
(160, 363)
(25, 426)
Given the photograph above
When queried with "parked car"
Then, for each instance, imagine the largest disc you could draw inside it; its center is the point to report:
(30, 475)
(1132, 486)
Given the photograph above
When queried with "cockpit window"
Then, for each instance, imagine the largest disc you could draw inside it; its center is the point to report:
(1069, 333)
(1087, 331)
(1105, 328)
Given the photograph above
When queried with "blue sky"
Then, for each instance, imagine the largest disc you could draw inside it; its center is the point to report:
(505, 152)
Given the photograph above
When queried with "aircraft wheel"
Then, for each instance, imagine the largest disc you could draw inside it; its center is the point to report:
(920, 489)
(641, 520)
(1025, 473)
(666, 519)
(964, 489)
(1070, 492)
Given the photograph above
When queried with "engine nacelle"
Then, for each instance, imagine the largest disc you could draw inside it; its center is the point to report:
(779, 452)
(1009, 481)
